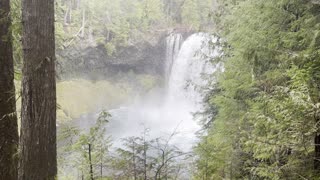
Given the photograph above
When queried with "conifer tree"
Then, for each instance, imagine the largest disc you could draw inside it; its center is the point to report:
(38, 159)
(8, 118)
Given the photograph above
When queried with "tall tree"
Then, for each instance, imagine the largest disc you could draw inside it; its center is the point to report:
(266, 125)
(8, 119)
(38, 114)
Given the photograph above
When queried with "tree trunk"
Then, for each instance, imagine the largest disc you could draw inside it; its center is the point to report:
(316, 162)
(83, 26)
(38, 112)
(317, 153)
(134, 161)
(68, 14)
(101, 170)
(90, 163)
(145, 156)
(8, 118)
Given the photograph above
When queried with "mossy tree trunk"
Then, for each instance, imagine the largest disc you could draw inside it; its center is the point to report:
(38, 113)
(8, 118)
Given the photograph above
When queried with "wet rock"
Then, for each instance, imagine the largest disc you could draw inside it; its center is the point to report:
(95, 63)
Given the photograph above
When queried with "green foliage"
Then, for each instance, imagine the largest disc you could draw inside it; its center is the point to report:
(119, 23)
(113, 23)
(82, 144)
(154, 158)
(110, 48)
(16, 29)
(190, 14)
(196, 13)
(90, 96)
(268, 93)
(147, 82)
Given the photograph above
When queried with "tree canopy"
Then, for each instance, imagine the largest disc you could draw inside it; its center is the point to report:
(267, 96)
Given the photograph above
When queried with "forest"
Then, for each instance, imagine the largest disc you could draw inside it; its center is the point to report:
(159, 89)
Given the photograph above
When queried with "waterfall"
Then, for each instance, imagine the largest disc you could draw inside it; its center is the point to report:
(170, 112)
(188, 68)
(184, 91)
(163, 112)
(173, 43)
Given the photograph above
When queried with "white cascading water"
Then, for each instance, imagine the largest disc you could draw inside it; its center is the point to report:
(184, 95)
(173, 44)
(164, 113)
(172, 111)
(186, 75)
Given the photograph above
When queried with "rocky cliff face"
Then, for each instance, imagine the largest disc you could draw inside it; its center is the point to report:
(94, 62)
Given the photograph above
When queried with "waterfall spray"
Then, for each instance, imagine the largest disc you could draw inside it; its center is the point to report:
(163, 112)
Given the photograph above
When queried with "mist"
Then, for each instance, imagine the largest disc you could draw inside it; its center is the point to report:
(170, 107)
(159, 89)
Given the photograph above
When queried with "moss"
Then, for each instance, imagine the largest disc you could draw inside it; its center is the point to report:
(78, 97)
(147, 82)
(110, 48)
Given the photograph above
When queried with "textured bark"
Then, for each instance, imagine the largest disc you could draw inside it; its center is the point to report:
(317, 153)
(38, 113)
(8, 119)
(90, 163)
(317, 145)
(68, 14)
